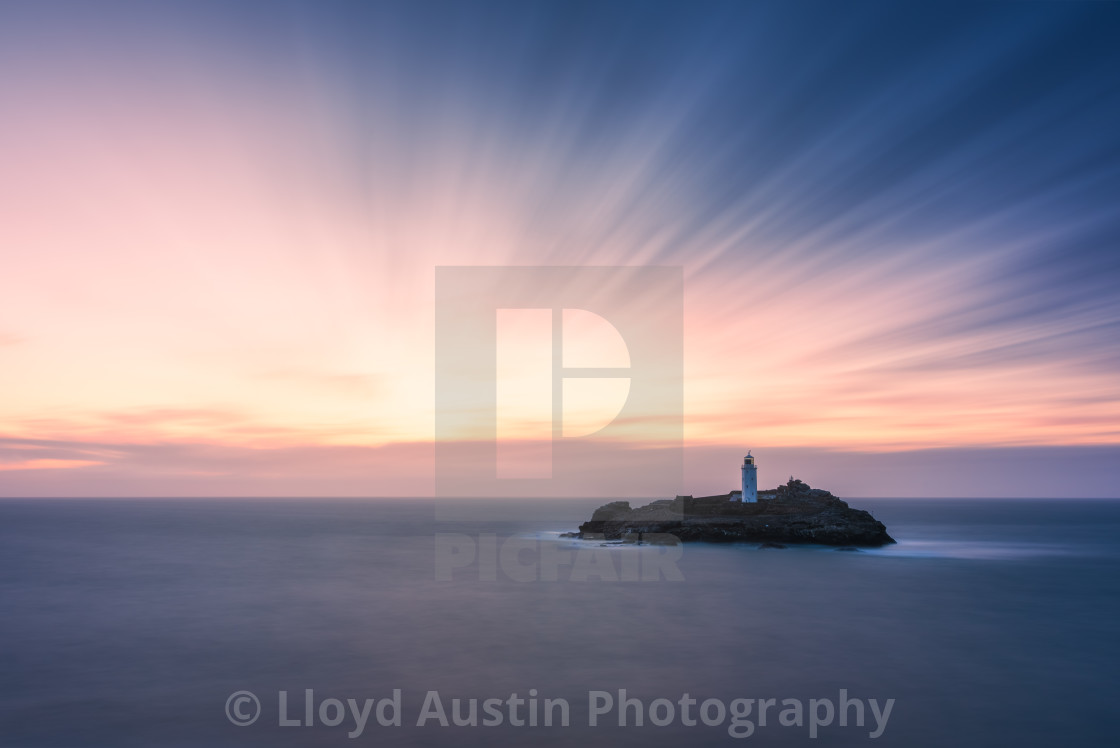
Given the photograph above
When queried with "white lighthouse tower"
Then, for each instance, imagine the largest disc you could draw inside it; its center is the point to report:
(750, 480)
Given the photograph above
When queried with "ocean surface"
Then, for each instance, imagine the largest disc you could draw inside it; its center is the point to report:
(132, 622)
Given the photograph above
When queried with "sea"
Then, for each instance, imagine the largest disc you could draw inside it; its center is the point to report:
(280, 622)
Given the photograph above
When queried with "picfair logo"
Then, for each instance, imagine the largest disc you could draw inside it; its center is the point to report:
(559, 374)
(558, 381)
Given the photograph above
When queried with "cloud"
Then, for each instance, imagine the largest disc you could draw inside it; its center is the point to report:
(897, 229)
(168, 424)
(48, 464)
(214, 470)
(192, 468)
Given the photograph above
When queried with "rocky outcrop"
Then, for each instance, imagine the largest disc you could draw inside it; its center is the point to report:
(793, 513)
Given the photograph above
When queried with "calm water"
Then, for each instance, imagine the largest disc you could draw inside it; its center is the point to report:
(129, 623)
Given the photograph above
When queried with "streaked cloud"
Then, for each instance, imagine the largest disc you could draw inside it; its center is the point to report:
(47, 464)
(897, 224)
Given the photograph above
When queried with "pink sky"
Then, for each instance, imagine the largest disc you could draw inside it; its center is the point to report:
(212, 285)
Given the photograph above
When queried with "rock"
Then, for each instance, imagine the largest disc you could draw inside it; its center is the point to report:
(610, 511)
(793, 513)
(773, 545)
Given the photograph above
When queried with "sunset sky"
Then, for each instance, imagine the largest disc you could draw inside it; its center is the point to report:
(899, 228)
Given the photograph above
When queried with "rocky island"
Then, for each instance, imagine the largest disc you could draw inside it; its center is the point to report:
(793, 513)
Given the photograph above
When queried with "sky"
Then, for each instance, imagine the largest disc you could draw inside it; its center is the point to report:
(897, 224)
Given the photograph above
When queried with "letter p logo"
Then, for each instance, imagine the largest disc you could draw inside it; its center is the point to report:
(558, 381)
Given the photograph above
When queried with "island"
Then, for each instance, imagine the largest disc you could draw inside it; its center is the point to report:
(793, 513)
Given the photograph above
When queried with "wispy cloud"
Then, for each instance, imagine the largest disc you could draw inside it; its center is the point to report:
(194, 468)
(48, 464)
(898, 226)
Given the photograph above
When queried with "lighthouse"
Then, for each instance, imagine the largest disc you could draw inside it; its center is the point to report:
(750, 480)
